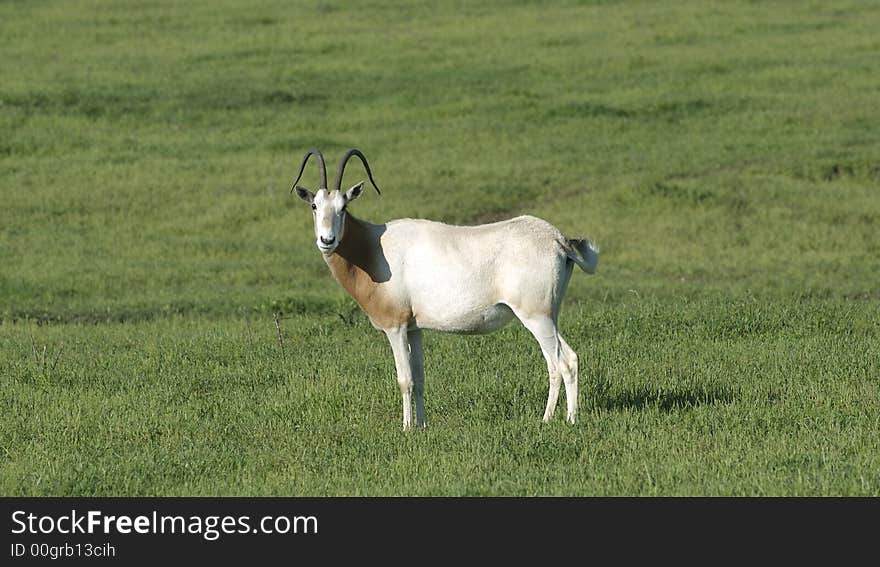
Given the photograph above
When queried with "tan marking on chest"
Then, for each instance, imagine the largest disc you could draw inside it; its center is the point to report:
(360, 267)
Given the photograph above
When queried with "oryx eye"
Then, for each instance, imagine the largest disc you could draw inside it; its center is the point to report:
(314, 207)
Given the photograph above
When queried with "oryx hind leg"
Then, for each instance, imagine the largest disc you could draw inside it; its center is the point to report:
(559, 357)
(570, 377)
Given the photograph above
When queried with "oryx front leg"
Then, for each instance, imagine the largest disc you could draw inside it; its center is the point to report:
(417, 365)
(400, 346)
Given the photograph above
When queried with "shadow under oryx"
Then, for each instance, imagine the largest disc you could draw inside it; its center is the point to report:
(665, 399)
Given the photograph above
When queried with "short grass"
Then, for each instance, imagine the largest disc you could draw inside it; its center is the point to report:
(724, 156)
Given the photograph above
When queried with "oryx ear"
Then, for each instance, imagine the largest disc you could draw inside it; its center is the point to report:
(305, 194)
(354, 192)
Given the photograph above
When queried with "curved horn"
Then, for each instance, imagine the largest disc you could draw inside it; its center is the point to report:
(348, 154)
(302, 167)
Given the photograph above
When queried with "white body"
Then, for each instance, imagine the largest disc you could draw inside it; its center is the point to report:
(473, 279)
(408, 275)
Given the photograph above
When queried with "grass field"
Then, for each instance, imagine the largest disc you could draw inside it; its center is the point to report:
(725, 157)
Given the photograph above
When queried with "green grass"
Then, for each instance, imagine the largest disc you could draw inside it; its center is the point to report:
(725, 157)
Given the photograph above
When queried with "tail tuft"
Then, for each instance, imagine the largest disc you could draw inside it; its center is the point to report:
(584, 253)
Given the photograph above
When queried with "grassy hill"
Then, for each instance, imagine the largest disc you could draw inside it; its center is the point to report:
(725, 158)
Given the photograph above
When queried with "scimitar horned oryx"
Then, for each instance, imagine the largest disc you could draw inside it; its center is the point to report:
(411, 274)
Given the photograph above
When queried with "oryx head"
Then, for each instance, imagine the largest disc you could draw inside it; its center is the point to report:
(329, 207)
